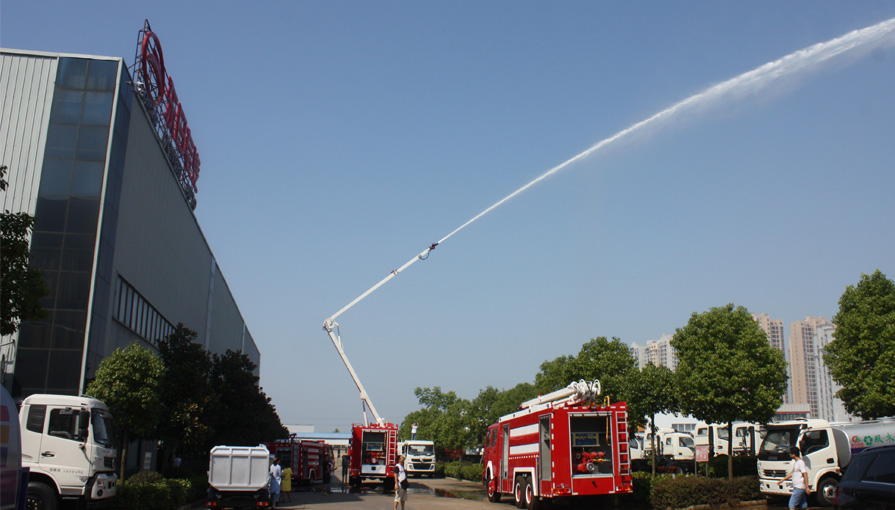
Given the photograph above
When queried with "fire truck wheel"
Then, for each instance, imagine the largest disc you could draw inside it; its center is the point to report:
(519, 491)
(491, 487)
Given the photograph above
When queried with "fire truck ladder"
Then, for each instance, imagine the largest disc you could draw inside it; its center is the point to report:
(624, 458)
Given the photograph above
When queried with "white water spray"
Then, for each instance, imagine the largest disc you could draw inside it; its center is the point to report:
(854, 44)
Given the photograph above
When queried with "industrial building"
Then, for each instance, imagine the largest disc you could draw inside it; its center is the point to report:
(101, 155)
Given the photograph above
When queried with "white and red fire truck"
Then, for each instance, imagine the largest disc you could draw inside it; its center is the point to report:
(305, 457)
(562, 445)
(374, 450)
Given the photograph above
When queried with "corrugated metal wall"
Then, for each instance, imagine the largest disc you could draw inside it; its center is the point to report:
(28, 82)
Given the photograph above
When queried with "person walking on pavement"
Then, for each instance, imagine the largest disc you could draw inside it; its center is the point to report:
(276, 477)
(345, 464)
(286, 484)
(401, 483)
(799, 475)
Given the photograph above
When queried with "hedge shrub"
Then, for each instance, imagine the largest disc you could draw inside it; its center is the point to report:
(463, 470)
(150, 492)
(685, 491)
(743, 465)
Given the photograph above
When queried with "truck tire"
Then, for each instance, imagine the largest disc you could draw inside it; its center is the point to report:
(41, 497)
(826, 491)
(519, 492)
(492, 490)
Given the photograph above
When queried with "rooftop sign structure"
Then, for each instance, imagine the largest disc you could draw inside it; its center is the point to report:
(155, 88)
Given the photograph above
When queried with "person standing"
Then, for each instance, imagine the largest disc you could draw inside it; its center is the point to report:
(346, 461)
(327, 467)
(413, 431)
(401, 483)
(276, 478)
(799, 475)
(286, 484)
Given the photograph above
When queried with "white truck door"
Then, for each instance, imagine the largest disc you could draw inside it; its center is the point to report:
(63, 447)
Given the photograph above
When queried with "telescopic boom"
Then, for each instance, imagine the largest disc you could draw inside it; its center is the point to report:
(332, 329)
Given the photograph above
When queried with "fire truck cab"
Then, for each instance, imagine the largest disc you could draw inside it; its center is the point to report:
(561, 445)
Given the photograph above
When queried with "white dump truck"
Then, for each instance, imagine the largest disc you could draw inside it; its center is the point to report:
(715, 437)
(419, 457)
(239, 477)
(67, 444)
(826, 448)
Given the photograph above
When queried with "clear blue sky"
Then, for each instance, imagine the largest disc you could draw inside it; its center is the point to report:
(340, 139)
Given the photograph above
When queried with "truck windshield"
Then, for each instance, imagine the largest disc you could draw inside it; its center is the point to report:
(421, 449)
(102, 427)
(777, 442)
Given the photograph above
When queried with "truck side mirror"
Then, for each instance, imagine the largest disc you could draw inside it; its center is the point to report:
(83, 425)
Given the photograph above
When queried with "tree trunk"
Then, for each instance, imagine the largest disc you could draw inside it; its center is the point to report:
(730, 450)
(653, 442)
(123, 454)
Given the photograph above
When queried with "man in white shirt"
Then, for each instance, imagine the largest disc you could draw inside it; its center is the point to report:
(400, 482)
(799, 475)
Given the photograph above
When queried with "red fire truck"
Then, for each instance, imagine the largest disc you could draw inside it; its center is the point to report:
(306, 458)
(562, 445)
(374, 450)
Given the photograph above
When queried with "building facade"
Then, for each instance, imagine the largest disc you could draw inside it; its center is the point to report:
(115, 234)
(774, 329)
(806, 362)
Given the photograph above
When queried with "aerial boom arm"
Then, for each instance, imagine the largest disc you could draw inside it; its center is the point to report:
(330, 324)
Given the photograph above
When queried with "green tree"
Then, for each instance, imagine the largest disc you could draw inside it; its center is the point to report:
(648, 392)
(442, 419)
(861, 357)
(21, 286)
(188, 398)
(128, 381)
(727, 370)
(609, 361)
(244, 415)
(490, 405)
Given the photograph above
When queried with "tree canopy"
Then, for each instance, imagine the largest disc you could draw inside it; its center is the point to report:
(21, 286)
(861, 357)
(128, 381)
(610, 361)
(727, 370)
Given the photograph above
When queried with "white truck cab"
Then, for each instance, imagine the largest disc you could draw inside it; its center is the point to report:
(826, 448)
(419, 457)
(68, 445)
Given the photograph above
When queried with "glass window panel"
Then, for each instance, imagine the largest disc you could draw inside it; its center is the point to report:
(64, 372)
(73, 289)
(50, 278)
(87, 179)
(31, 369)
(66, 106)
(97, 108)
(92, 143)
(68, 330)
(101, 74)
(55, 177)
(50, 213)
(72, 73)
(61, 140)
(77, 254)
(36, 334)
(82, 215)
(46, 250)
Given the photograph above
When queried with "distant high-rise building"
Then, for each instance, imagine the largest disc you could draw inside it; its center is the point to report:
(774, 330)
(658, 352)
(830, 407)
(806, 362)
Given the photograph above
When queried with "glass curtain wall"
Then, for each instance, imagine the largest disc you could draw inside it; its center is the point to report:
(49, 352)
